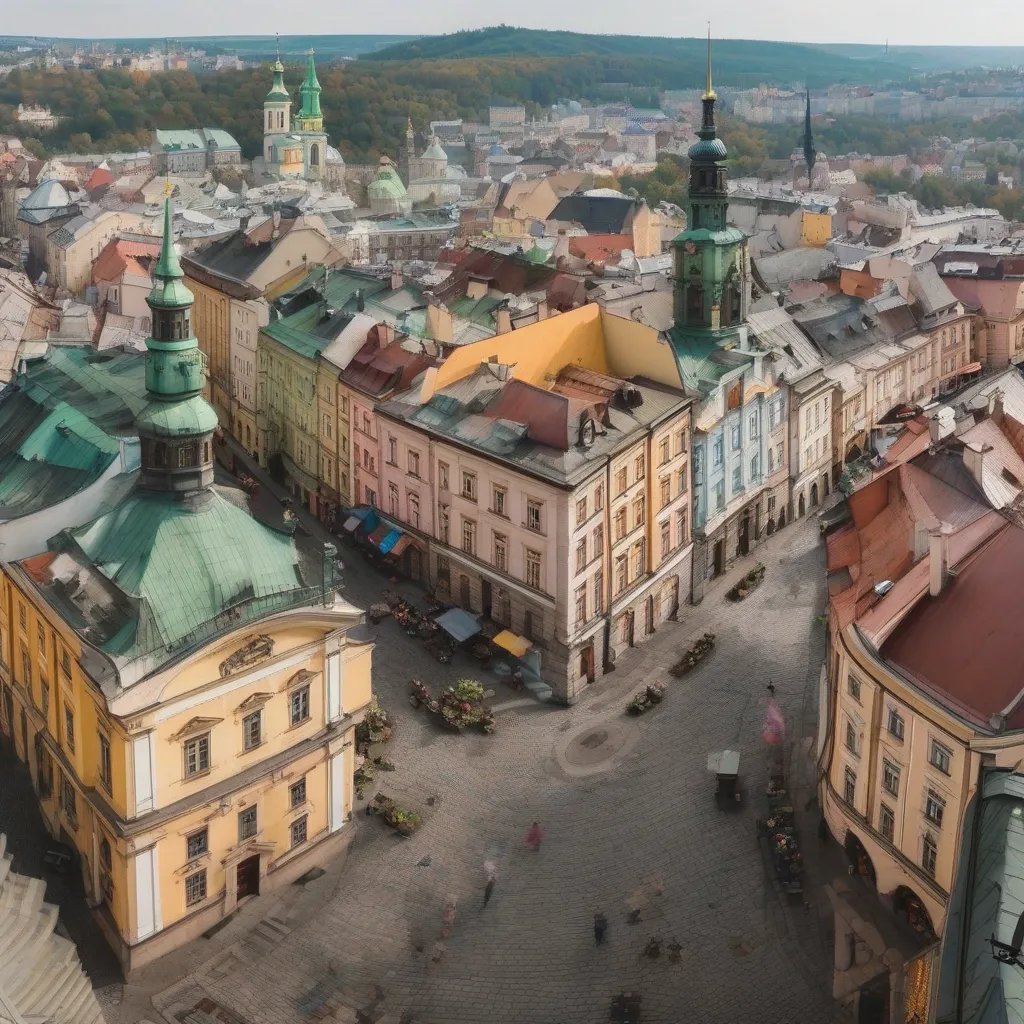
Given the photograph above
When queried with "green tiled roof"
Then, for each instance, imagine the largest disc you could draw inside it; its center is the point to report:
(59, 425)
(702, 359)
(184, 563)
(386, 184)
(297, 337)
(480, 311)
(191, 416)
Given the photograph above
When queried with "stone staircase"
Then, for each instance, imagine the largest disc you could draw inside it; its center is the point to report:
(40, 974)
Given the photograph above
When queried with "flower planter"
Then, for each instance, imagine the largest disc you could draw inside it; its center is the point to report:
(748, 584)
(694, 656)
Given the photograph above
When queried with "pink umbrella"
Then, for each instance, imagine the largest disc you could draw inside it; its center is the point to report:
(774, 730)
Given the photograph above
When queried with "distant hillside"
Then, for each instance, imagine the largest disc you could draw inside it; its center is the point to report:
(679, 63)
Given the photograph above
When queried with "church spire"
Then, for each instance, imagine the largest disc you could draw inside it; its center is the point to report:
(310, 91)
(168, 266)
(709, 92)
(809, 153)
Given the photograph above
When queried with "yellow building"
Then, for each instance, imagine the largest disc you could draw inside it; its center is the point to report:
(918, 694)
(182, 685)
(815, 228)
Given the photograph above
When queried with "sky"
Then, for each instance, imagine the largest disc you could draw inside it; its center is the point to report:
(903, 22)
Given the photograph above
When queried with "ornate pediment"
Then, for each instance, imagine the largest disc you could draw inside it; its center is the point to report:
(195, 726)
(257, 649)
(254, 701)
(299, 679)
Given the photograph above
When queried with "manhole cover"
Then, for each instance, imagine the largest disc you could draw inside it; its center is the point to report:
(594, 739)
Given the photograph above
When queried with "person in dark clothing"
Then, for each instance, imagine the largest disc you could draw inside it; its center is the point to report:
(600, 927)
(488, 889)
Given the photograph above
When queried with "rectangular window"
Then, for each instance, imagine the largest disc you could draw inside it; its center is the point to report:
(195, 888)
(469, 536)
(719, 496)
(639, 466)
(598, 545)
(666, 538)
(621, 482)
(620, 524)
(929, 854)
(737, 479)
(392, 452)
(752, 425)
(663, 452)
(640, 560)
(22, 616)
(500, 496)
(26, 668)
(298, 705)
(105, 763)
(581, 605)
(41, 638)
(469, 486)
(599, 497)
(533, 515)
(771, 460)
(252, 730)
(197, 755)
(197, 844)
(850, 786)
(939, 757)
(851, 738)
(681, 482)
(886, 822)
(934, 808)
(853, 687)
(717, 452)
(45, 695)
(297, 793)
(891, 778)
(778, 454)
(68, 799)
(299, 831)
(414, 510)
(754, 467)
(894, 723)
(442, 475)
(620, 574)
(666, 491)
(69, 728)
(638, 512)
(680, 529)
(533, 569)
(598, 593)
(246, 824)
(581, 511)
(735, 438)
(581, 555)
(443, 523)
(501, 552)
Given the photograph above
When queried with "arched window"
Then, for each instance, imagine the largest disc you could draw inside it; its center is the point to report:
(206, 451)
(270, 119)
(695, 303)
(280, 119)
(188, 326)
(314, 155)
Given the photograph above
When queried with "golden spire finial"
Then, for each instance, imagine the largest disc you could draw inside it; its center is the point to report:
(709, 93)
(168, 187)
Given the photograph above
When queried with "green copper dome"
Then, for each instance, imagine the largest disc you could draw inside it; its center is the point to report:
(708, 149)
(277, 90)
(185, 418)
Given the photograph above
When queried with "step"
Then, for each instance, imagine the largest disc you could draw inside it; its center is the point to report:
(540, 690)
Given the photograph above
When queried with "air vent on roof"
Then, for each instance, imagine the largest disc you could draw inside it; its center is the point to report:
(630, 396)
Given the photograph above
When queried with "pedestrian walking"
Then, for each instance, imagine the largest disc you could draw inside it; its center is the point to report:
(600, 927)
(534, 834)
(771, 689)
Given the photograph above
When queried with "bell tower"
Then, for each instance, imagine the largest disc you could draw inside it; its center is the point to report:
(277, 110)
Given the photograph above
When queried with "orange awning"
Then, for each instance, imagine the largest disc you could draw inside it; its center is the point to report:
(969, 368)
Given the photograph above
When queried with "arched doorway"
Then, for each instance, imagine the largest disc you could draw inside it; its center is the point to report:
(908, 905)
(824, 485)
(814, 495)
(771, 527)
(859, 859)
(314, 155)
(801, 507)
(782, 519)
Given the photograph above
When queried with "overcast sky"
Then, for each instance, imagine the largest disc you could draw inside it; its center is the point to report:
(946, 22)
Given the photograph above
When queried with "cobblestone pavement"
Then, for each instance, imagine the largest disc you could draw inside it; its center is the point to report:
(639, 832)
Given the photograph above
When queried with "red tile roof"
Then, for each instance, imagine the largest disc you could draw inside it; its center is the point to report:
(997, 299)
(100, 176)
(965, 643)
(122, 255)
(600, 248)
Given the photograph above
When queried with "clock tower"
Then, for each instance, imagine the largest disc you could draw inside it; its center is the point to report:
(712, 266)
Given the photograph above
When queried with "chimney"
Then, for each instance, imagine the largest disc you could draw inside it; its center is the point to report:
(396, 279)
(439, 323)
(938, 559)
(941, 423)
(385, 334)
(503, 320)
(974, 459)
(360, 301)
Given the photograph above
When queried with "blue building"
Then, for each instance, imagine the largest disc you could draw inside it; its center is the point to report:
(739, 434)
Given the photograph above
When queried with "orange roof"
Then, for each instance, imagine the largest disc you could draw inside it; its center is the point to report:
(100, 176)
(120, 255)
(997, 299)
(600, 248)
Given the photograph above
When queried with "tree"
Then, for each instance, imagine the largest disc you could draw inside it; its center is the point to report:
(882, 179)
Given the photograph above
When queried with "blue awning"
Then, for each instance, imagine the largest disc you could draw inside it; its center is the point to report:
(458, 624)
(389, 541)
